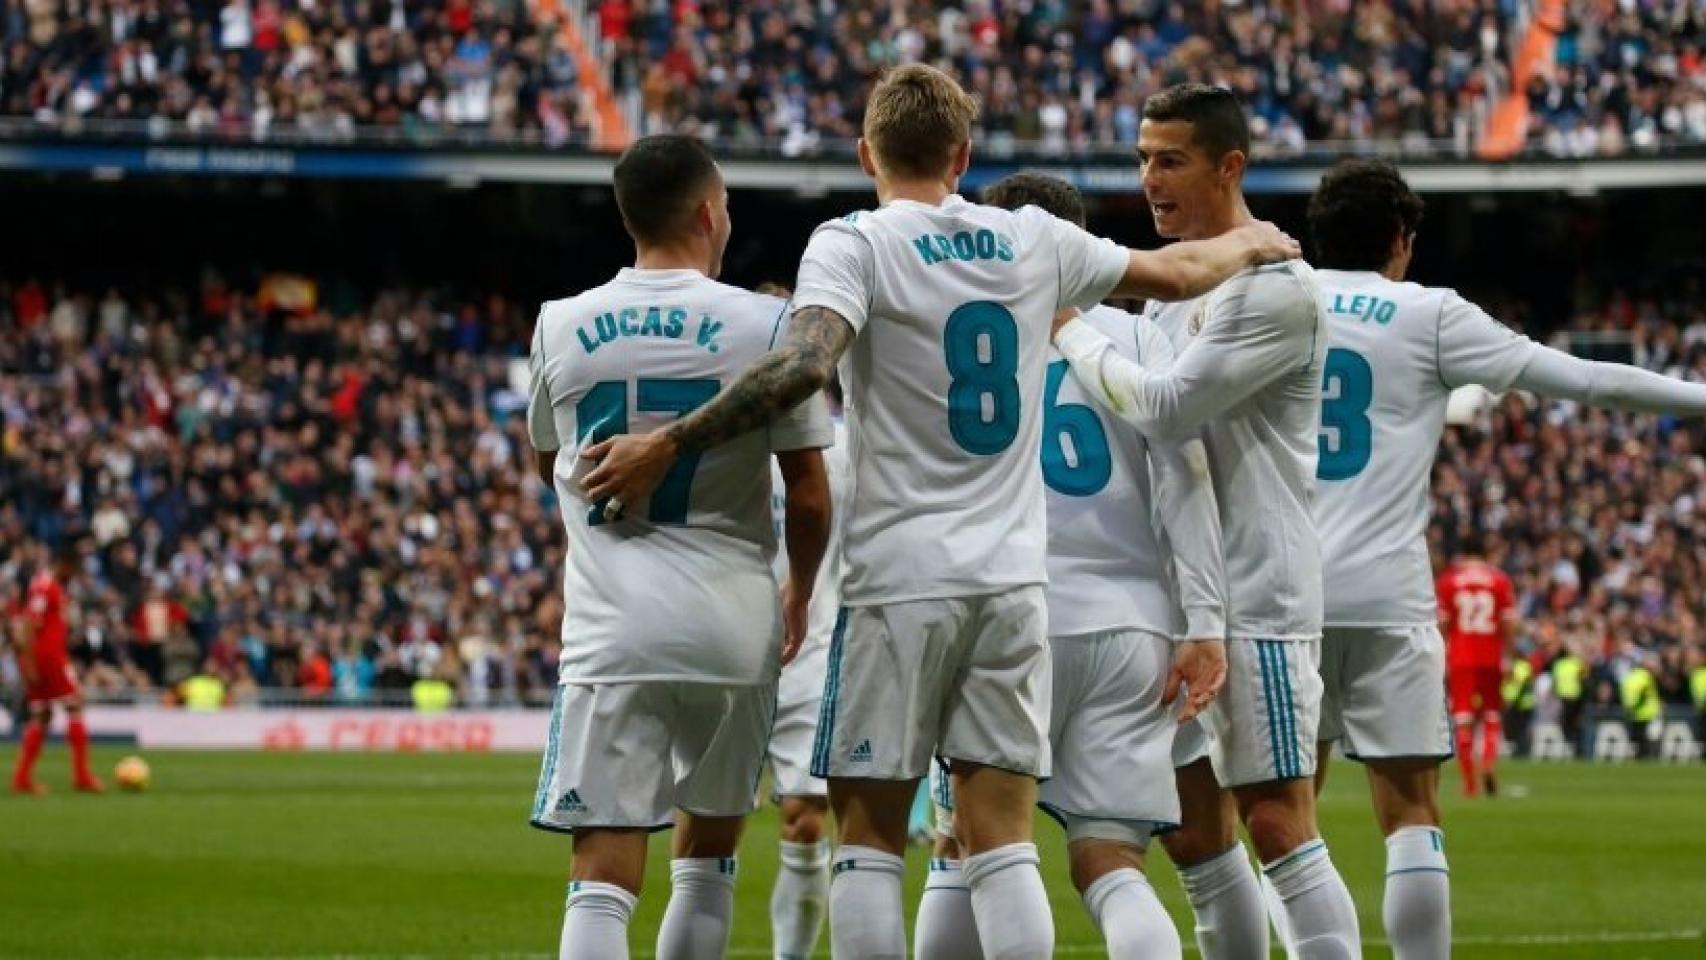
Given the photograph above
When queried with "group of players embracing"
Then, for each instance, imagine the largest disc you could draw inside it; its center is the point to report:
(1139, 571)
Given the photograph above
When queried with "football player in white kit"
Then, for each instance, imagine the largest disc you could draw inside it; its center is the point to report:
(1397, 351)
(938, 310)
(1248, 376)
(1128, 519)
(672, 631)
(799, 901)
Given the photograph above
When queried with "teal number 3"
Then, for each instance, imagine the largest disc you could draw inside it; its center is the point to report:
(981, 344)
(1091, 465)
(1347, 437)
(603, 413)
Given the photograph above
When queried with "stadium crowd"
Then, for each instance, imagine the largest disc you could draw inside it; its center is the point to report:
(1075, 75)
(329, 497)
(331, 494)
(1065, 76)
(250, 68)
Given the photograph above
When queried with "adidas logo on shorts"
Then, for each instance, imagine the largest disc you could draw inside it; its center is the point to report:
(571, 803)
(861, 753)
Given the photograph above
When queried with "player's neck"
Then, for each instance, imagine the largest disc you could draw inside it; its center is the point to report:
(1226, 217)
(670, 258)
(928, 192)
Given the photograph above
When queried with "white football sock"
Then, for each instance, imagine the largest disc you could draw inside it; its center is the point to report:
(1417, 910)
(701, 906)
(800, 899)
(595, 922)
(946, 928)
(1227, 902)
(1011, 905)
(866, 917)
(1276, 916)
(1133, 923)
(1323, 918)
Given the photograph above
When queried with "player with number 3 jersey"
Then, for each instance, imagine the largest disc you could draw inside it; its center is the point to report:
(1397, 351)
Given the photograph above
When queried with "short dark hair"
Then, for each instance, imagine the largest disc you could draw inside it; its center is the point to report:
(1039, 190)
(1217, 121)
(657, 179)
(1358, 209)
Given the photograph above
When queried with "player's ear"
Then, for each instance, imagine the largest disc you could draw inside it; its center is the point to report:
(866, 162)
(1232, 164)
(962, 160)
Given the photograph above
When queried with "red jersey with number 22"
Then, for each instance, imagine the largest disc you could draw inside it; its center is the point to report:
(45, 606)
(1475, 599)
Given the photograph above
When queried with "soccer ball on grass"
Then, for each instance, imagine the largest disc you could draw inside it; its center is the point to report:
(132, 774)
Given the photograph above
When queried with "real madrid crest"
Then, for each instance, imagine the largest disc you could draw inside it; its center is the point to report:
(1195, 326)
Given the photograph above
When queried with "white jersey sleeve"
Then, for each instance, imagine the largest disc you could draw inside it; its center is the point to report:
(1090, 266)
(1472, 347)
(1259, 328)
(541, 419)
(837, 272)
(1186, 514)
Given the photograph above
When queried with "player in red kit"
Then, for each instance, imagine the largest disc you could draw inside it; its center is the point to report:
(40, 633)
(1477, 609)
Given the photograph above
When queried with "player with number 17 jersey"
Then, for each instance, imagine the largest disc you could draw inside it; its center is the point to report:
(951, 305)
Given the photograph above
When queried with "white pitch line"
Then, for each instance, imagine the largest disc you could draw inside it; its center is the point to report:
(1085, 950)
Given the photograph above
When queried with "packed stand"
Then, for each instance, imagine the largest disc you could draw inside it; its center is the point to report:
(281, 488)
(1600, 519)
(294, 68)
(1069, 76)
(1624, 77)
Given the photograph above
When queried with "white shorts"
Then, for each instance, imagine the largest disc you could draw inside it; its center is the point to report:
(1262, 726)
(963, 677)
(629, 754)
(1190, 743)
(799, 697)
(1112, 738)
(1385, 692)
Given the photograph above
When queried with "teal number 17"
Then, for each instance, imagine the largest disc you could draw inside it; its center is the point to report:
(603, 413)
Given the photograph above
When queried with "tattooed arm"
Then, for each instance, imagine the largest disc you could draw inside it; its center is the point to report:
(631, 466)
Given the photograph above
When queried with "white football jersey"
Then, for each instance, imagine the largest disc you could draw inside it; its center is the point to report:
(1248, 375)
(826, 593)
(1398, 350)
(680, 588)
(1114, 503)
(952, 306)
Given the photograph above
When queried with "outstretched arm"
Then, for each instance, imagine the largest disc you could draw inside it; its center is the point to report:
(631, 466)
(1553, 373)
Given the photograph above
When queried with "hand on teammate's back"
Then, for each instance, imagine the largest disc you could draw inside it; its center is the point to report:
(1268, 243)
(629, 467)
(1200, 667)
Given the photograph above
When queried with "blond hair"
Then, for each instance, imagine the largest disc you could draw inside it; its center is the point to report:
(918, 117)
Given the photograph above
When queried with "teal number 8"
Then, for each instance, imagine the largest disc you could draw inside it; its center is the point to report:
(981, 344)
(1345, 455)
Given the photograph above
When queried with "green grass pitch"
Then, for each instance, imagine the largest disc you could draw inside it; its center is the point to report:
(269, 855)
